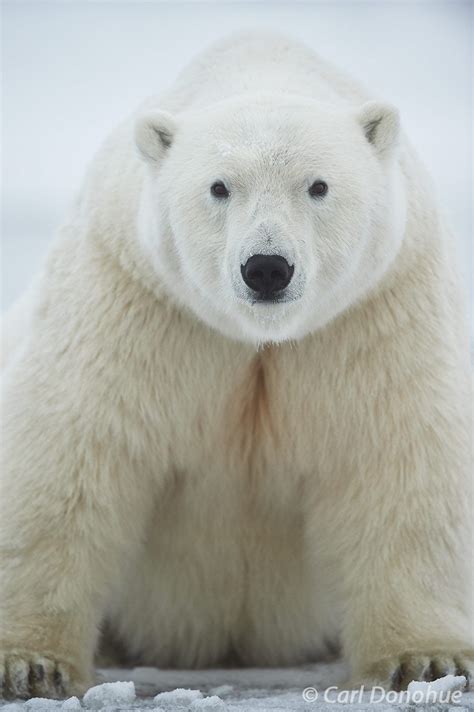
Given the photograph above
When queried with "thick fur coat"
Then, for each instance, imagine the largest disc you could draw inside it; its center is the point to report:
(211, 479)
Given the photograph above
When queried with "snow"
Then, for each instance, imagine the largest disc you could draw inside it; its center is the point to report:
(180, 696)
(435, 691)
(209, 703)
(73, 703)
(109, 693)
(251, 690)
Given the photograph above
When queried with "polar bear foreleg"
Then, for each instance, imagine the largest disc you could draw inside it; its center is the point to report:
(71, 510)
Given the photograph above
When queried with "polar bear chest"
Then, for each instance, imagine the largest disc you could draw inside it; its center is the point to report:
(250, 416)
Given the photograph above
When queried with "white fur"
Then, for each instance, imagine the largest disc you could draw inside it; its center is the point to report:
(224, 480)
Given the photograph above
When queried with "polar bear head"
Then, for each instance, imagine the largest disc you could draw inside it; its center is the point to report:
(268, 216)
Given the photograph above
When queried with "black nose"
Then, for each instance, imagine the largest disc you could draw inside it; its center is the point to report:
(267, 274)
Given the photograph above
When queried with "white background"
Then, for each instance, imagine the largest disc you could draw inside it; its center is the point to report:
(73, 69)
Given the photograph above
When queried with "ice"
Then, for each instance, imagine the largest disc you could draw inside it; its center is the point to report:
(180, 696)
(109, 693)
(41, 703)
(221, 690)
(209, 703)
(436, 691)
(71, 704)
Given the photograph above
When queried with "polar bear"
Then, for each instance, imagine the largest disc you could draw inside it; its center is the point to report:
(236, 402)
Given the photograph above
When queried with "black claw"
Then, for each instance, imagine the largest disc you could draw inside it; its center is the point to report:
(21, 686)
(31, 681)
(429, 672)
(397, 678)
(441, 672)
(58, 681)
(461, 670)
(38, 672)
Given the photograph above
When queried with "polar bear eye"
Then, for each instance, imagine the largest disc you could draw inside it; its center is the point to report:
(218, 190)
(318, 189)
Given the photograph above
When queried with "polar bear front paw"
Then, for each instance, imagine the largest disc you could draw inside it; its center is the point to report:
(398, 671)
(24, 675)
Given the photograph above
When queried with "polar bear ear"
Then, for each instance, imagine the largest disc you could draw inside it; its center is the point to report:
(381, 125)
(154, 133)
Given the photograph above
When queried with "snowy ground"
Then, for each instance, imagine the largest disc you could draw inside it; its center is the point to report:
(248, 690)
